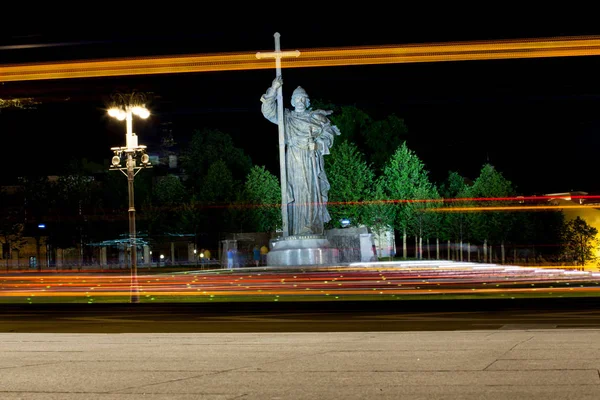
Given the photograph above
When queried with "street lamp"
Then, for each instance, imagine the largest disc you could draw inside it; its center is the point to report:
(124, 108)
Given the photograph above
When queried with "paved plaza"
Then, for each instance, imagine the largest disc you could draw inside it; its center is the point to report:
(512, 362)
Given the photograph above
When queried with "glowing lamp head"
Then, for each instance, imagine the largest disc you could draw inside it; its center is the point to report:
(141, 111)
(117, 113)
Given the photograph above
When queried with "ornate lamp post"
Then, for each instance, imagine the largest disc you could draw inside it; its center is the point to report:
(135, 157)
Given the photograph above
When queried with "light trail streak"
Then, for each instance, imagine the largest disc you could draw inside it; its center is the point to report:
(473, 279)
(509, 208)
(43, 45)
(320, 57)
(305, 293)
(59, 215)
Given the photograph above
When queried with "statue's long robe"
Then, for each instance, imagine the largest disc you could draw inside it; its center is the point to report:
(307, 184)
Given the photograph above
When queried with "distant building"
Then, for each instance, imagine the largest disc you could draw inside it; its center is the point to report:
(34, 249)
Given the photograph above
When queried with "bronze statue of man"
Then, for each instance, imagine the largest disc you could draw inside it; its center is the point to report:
(309, 135)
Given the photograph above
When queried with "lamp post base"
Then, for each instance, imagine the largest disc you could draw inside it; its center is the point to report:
(135, 290)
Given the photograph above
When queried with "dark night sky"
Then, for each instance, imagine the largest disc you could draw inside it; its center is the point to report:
(537, 120)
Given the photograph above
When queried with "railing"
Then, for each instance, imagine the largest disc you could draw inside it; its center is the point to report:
(21, 266)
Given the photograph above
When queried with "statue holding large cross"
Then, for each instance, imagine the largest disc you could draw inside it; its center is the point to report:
(278, 55)
(305, 136)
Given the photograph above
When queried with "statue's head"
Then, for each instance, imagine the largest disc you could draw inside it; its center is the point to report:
(300, 92)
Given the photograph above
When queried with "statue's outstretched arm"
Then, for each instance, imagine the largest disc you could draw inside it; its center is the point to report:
(323, 112)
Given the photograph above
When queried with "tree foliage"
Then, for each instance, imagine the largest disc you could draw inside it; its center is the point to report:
(406, 181)
(580, 241)
(76, 197)
(192, 218)
(207, 147)
(11, 226)
(351, 181)
(262, 200)
(456, 225)
(161, 212)
(36, 191)
(352, 123)
(382, 137)
(379, 212)
(376, 139)
(542, 231)
(491, 189)
(376, 180)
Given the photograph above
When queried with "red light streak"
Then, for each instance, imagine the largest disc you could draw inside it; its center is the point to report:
(341, 281)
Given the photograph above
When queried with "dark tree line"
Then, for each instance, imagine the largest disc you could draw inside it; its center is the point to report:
(376, 181)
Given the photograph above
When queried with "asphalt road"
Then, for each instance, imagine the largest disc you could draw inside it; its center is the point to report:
(430, 315)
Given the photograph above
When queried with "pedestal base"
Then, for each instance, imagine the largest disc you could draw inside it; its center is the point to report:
(295, 251)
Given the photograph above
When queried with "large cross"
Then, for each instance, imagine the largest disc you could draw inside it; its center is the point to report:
(278, 55)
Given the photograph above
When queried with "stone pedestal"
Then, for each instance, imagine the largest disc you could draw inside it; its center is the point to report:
(367, 248)
(295, 251)
(354, 244)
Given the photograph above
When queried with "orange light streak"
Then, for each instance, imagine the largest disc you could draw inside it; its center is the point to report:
(59, 216)
(320, 57)
(305, 293)
(353, 281)
(508, 208)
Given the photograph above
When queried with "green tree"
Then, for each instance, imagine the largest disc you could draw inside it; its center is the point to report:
(192, 218)
(114, 195)
(112, 206)
(351, 121)
(11, 226)
(37, 192)
(539, 233)
(382, 137)
(378, 139)
(77, 199)
(351, 181)
(456, 225)
(379, 211)
(262, 195)
(207, 147)
(407, 182)
(423, 220)
(219, 186)
(580, 241)
(491, 189)
(454, 186)
(161, 212)
(219, 195)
